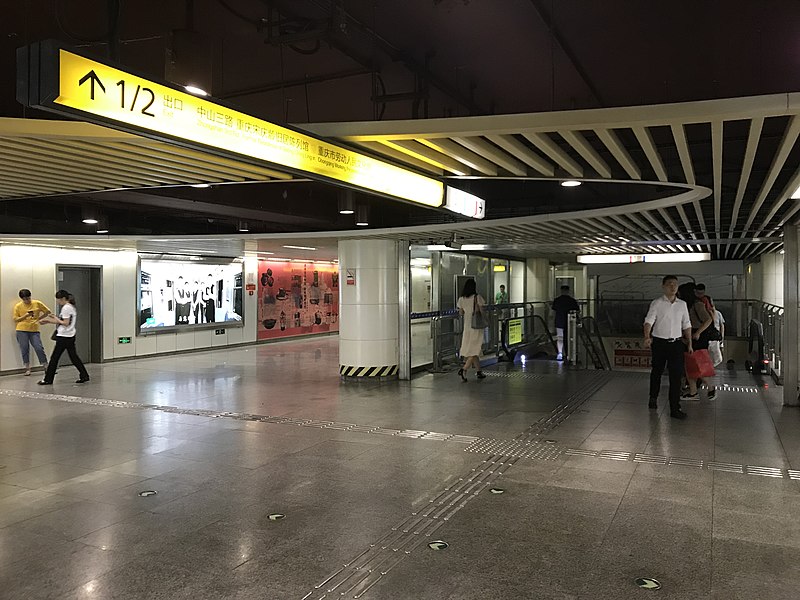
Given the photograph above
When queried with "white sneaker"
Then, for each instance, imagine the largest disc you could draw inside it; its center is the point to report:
(559, 356)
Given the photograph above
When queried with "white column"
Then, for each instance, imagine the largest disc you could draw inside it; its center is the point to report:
(791, 316)
(538, 280)
(369, 303)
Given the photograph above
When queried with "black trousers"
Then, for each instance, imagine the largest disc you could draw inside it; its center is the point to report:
(68, 344)
(669, 354)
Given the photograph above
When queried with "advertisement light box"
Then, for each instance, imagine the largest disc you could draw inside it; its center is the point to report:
(176, 295)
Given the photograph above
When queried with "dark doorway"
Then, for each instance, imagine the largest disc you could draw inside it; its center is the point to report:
(85, 283)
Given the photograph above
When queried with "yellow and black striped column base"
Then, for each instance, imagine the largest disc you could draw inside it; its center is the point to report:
(359, 372)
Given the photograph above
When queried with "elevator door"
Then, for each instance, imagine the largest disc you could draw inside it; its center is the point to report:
(84, 283)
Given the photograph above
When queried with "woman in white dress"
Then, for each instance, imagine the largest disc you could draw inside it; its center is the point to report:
(471, 339)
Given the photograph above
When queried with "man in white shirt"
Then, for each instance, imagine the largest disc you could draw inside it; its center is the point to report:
(666, 323)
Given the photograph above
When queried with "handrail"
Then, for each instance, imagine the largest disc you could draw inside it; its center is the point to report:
(589, 326)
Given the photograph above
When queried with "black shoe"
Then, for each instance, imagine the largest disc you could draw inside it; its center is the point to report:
(43, 382)
(712, 393)
(652, 403)
(688, 396)
(481, 375)
(461, 374)
(82, 380)
(678, 414)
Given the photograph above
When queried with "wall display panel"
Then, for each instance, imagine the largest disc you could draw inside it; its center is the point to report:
(297, 298)
(194, 294)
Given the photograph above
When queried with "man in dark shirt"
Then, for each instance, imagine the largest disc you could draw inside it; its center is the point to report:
(563, 305)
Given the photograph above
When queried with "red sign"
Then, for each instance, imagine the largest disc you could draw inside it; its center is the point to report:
(351, 277)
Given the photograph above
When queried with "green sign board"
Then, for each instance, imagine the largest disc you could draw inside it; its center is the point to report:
(124, 340)
(514, 332)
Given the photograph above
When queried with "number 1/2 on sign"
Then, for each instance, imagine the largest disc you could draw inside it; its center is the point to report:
(145, 91)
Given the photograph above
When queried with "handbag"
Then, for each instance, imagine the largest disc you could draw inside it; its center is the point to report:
(715, 352)
(54, 335)
(478, 317)
(699, 364)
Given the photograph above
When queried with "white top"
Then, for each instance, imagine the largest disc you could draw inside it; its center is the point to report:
(67, 312)
(668, 319)
(719, 320)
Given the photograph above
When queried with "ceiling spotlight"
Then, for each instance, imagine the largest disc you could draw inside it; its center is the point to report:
(346, 203)
(201, 185)
(102, 225)
(193, 89)
(89, 215)
(570, 183)
(243, 226)
(362, 217)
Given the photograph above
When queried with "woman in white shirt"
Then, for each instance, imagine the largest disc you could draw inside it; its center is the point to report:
(471, 339)
(65, 338)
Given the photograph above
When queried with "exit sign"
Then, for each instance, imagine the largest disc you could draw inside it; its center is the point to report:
(124, 340)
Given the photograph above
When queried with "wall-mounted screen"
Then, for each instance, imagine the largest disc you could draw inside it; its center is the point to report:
(177, 294)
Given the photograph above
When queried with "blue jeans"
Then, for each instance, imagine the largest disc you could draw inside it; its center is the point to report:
(25, 339)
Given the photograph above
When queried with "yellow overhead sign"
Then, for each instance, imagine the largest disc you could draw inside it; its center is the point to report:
(98, 89)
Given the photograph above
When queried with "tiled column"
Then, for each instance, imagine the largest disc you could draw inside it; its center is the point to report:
(369, 307)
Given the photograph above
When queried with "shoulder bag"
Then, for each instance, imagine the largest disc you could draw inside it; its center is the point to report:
(478, 316)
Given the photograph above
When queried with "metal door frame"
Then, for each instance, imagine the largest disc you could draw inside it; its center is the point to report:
(99, 269)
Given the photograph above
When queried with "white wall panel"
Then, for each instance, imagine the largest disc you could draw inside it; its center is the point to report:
(35, 268)
(373, 286)
(146, 344)
(166, 342)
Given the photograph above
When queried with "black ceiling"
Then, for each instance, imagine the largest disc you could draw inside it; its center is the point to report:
(303, 61)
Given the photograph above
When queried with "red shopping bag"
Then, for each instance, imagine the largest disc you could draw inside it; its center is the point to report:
(699, 364)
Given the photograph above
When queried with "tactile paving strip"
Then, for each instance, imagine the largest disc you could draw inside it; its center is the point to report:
(374, 429)
(357, 576)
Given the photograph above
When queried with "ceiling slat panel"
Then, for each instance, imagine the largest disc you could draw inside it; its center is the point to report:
(510, 144)
(646, 142)
(495, 155)
(429, 155)
(753, 137)
(716, 153)
(614, 145)
(551, 149)
(396, 155)
(589, 154)
(461, 154)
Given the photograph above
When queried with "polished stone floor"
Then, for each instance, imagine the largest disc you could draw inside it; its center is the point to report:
(597, 489)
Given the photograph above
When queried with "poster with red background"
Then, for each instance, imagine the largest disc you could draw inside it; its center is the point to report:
(297, 298)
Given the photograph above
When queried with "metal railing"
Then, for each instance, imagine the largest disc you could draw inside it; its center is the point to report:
(601, 318)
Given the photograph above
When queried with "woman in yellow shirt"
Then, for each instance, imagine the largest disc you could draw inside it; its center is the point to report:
(27, 313)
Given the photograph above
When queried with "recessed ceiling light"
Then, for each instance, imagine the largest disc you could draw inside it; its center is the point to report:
(193, 89)
(201, 185)
(300, 247)
(90, 221)
(570, 183)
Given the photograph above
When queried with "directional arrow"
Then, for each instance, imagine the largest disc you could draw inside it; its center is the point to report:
(648, 583)
(92, 76)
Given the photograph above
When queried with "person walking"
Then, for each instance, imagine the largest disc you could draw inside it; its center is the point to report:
(666, 328)
(65, 338)
(563, 305)
(469, 303)
(27, 313)
(702, 325)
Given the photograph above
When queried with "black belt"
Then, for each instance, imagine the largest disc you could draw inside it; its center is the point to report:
(668, 340)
